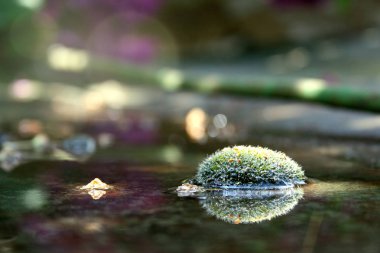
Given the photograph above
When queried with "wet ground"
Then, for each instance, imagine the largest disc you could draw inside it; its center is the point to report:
(42, 208)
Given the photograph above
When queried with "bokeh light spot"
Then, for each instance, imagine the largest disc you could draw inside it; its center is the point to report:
(220, 121)
(25, 90)
(196, 124)
(34, 199)
(171, 79)
(310, 87)
(172, 154)
(31, 4)
(68, 59)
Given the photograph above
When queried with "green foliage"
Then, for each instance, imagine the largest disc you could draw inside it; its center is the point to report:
(249, 167)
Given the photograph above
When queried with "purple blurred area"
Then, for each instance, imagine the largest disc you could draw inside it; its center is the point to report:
(298, 3)
(146, 32)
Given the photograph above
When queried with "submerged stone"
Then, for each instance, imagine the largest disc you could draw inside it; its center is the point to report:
(189, 190)
(249, 167)
(80, 146)
(96, 184)
(186, 187)
(10, 159)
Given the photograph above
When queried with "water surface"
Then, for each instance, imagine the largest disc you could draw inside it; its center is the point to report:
(43, 210)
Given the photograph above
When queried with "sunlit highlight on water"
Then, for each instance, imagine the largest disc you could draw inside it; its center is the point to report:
(96, 194)
(323, 189)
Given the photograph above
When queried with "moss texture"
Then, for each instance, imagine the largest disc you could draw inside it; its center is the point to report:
(249, 167)
(251, 208)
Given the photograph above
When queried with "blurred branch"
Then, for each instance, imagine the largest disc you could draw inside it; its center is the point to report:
(314, 90)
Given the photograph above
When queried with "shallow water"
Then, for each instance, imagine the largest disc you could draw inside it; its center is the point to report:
(42, 209)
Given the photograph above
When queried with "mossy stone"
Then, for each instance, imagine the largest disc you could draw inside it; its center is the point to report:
(249, 167)
(251, 208)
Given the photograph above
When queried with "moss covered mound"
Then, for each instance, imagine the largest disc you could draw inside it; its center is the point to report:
(249, 167)
(251, 209)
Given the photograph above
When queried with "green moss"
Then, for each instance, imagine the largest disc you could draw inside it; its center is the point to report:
(249, 167)
(239, 207)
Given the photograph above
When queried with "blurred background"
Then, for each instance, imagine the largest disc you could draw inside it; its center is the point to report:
(148, 71)
(130, 64)
(285, 37)
(92, 61)
(168, 32)
(143, 90)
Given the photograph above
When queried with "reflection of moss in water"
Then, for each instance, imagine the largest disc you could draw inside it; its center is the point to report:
(247, 167)
(250, 207)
